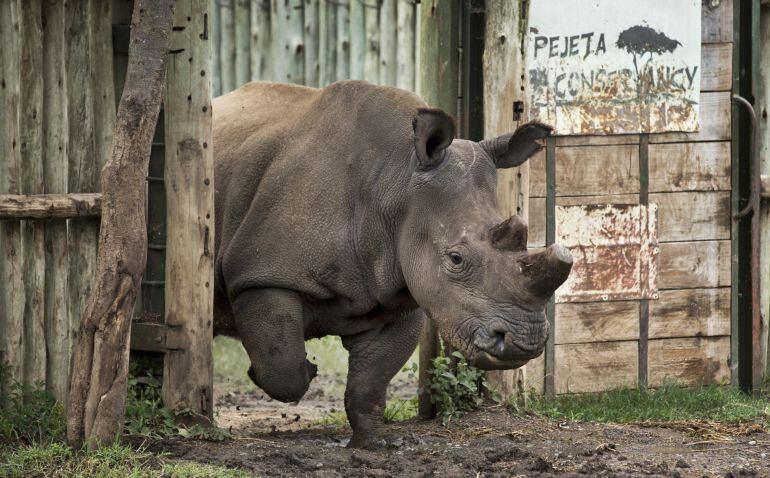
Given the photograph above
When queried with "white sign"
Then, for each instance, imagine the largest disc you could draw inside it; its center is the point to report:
(614, 66)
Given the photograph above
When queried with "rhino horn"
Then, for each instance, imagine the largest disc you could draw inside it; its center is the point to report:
(510, 234)
(545, 271)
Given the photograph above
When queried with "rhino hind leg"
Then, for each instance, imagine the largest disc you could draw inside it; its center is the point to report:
(271, 328)
(375, 358)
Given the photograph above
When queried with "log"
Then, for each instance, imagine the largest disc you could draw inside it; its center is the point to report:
(343, 41)
(55, 144)
(405, 45)
(31, 145)
(503, 65)
(215, 33)
(100, 357)
(50, 206)
(371, 40)
(260, 40)
(388, 65)
(357, 40)
(312, 65)
(327, 41)
(242, 42)
(11, 276)
(188, 368)
(227, 44)
(764, 154)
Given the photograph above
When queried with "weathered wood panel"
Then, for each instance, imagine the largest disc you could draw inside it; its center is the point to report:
(587, 140)
(596, 322)
(536, 222)
(689, 216)
(592, 170)
(187, 373)
(343, 42)
(50, 206)
(716, 67)
(596, 367)
(227, 45)
(31, 149)
(714, 119)
(405, 45)
(11, 258)
(684, 313)
(242, 42)
(689, 167)
(608, 199)
(215, 21)
(310, 37)
(388, 65)
(689, 361)
(327, 40)
(717, 21)
(534, 375)
(260, 44)
(357, 40)
(537, 175)
(372, 41)
(57, 322)
(687, 265)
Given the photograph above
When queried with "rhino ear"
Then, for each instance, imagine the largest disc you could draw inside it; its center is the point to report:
(514, 149)
(434, 131)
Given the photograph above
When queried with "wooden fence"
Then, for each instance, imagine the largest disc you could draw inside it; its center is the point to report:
(314, 42)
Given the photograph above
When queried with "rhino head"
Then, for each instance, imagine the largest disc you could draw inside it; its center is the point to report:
(463, 263)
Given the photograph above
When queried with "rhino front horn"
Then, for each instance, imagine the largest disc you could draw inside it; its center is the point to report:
(545, 271)
(510, 234)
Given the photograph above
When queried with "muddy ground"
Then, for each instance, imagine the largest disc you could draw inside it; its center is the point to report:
(279, 440)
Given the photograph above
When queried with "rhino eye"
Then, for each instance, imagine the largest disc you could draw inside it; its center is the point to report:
(456, 258)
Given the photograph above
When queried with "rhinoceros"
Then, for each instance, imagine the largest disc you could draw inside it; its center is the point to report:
(354, 211)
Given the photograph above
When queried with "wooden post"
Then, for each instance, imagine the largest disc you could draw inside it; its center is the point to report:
(287, 40)
(11, 275)
(215, 32)
(100, 357)
(50, 206)
(343, 41)
(188, 369)
(227, 43)
(57, 321)
(388, 66)
(357, 40)
(31, 147)
(242, 42)
(260, 40)
(503, 80)
(438, 73)
(405, 45)
(312, 65)
(372, 40)
(763, 97)
(327, 42)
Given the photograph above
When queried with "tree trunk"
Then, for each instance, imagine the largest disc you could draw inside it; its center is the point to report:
(100, 357)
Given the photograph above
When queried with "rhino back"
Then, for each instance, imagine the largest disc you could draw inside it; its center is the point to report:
(308, 184)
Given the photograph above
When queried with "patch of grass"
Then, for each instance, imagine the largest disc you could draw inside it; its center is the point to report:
(117, 461)
(400, 410)
(28, 415)
(666, 404)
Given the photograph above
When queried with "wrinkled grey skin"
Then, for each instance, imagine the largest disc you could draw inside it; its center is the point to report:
(351, 211)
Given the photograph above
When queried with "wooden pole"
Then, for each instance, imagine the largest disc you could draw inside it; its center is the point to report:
(312, 65)
(764, 135)
(260, 40)
(227, 39)
(242, 42)
(388, 65)
(215, 33)
(357, 40)
(11, 259)
(438, 73)
(188, 369)
(405, 45)
(327, 33)
(55, 145)
(50, 206)
(372, 40)
(503, 80)
(343, 41)
(100, 356)
(31, 147)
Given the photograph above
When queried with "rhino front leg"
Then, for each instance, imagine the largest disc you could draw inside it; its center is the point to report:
(271, 327)
(375, 357)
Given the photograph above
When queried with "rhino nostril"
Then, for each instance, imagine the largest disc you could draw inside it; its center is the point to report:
(499, 343)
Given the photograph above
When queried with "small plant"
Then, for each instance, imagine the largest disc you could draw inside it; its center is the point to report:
(459, 389)
(30, 416)
(400, 410)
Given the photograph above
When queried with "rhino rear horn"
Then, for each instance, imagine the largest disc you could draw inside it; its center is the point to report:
(434, 131)
(510, 234)
(545, 271)
(514, 149)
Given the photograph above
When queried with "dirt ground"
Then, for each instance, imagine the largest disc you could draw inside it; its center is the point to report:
(279, 440)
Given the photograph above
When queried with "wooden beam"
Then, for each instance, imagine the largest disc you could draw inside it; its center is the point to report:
(49, 206)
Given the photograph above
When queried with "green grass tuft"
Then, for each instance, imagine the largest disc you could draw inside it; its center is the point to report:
(668, 403)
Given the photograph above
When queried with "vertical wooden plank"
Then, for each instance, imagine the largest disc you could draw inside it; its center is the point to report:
(188, 371)
(764, 134)
(83, 167)
(438, 72)
(343, 41)
(327, 52)
(260, 40)
(405, 45)
(32, 233)
(287, 41)
(388, 65)
(312, 66)
(242, 42)
(215, 32)
(11, 275)
(357, 40)
(503, 85)
(227, 39)
(372, 40)
(57, 322)
(102, 80)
